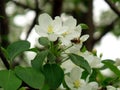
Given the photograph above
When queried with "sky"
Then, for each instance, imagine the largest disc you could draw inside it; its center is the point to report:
(99, 6)
(109, 45)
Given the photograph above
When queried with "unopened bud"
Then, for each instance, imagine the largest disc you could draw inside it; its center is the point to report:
(101, 55)
(94, 52)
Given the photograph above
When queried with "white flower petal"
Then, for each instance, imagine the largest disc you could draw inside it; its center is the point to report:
(57, 22)
(65, 41)
(74, 49)
(76, 34)
(78, 29)
(93, 61)
(52, 37)
(82, 83)
(69, 81)
(70, 22)
(73, 35)
(94, 85)
(76, 73)
(44, 20)
(111, 88)
(96, 63)
(40, 31)
(84, 38)
(62, 30)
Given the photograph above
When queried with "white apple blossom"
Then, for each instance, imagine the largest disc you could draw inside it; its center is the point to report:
(49, 28)
(70, 33)
(75, 82)
(77, 44)
(93, 61)
(66, 30)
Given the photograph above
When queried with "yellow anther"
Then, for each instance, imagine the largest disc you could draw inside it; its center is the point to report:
(50, 29)
(65, 33)
(76, 84)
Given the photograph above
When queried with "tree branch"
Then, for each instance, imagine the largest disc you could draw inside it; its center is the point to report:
(37, 10)
(106, 29)
(24, 6)
(4, 27)
(113, 7)
(57, 7)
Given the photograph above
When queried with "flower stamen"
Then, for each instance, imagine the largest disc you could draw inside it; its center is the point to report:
(76, 84)
(50, 29)
(65, 33)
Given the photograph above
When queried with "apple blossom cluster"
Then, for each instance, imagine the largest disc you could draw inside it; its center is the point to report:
(64, 30)
(67, 34)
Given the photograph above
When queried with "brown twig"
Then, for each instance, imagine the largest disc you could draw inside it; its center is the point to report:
(4, 27)
(113, 7)
(107, 29)
(56, 7)
(23, 5)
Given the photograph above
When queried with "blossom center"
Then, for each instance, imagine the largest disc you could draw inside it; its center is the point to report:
(76, 41)
(50, 29)
(76, 84)
(64, 34)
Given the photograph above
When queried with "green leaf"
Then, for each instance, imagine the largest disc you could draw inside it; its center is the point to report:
(93, 76)
(112, 67)
(33, 50)
(22, 88)
(116, 0)
(80, 61)
(109, 80)
(8, 80)
(16, 48)
(30, 76)
(44, 41)
(110, 61)
(54, 75)
(83, 49)
(37, 62)
(84, 26)
(45, 87)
